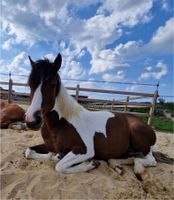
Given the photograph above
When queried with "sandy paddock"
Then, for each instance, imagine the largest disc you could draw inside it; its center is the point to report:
(31, 179)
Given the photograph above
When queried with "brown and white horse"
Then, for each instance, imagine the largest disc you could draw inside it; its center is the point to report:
(75, 134)
(10, 113)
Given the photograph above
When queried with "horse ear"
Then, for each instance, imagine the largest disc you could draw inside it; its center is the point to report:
(31, 61)
(58, 62)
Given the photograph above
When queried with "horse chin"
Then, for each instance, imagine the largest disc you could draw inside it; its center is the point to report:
(35, 125)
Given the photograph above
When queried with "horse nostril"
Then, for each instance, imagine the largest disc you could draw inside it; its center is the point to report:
(36, 124)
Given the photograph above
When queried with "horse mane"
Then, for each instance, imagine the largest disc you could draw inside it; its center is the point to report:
(66, 105)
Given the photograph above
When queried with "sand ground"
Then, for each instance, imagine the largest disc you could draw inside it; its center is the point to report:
(31, 179)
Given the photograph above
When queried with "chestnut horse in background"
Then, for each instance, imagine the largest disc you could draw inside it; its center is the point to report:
(10, 113)
(77, 135)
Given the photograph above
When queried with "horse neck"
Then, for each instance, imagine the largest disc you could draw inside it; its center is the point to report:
(66, 106)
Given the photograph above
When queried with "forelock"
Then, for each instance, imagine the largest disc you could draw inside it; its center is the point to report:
(40, 70)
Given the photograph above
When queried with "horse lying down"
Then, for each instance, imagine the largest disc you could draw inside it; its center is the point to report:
(79, 135)
(12, 116)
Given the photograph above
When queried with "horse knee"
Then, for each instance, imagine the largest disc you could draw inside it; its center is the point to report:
(60, 168)
(28, 153)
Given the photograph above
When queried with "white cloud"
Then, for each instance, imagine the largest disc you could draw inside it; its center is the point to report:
(165, 5)
(72, 70)
(100, 65)
(162, 40)
(156, 72)
(128, 13)
(160, 43)
(17, 67)
(32, 21)
(1, 61)
(105, 28)
(50, 56)
(132, 88)
(118, 76)
(8, 43)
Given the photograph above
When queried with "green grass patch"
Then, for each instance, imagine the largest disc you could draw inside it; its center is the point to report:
(163, 124)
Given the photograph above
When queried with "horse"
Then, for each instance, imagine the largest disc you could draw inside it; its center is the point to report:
(75, 136)
(10, 113)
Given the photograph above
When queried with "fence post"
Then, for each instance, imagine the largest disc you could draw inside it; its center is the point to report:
(77, 92)
(10, 86)
(151, 112)
(127, 101)
(112, 106)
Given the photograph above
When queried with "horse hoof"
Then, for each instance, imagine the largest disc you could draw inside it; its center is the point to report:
(138, 176)
(144, 176)
(118, 168)
(95, 163)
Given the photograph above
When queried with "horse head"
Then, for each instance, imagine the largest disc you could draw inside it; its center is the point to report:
(44, 82)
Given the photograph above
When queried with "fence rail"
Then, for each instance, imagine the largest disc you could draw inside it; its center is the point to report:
(123, 105)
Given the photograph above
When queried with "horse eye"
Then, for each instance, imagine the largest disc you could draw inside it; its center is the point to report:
(53, 84)
(46, 80)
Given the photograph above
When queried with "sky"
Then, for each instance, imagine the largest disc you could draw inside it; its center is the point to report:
(108, 41)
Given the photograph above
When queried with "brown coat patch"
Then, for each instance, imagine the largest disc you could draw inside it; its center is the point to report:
(10, 113)
(60, 136)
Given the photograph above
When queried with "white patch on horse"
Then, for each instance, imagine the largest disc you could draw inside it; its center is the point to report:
(65, 165)
(35, 105)
(87, 123)
(32, 154)
(147, 161)
(66, 106)
(82, 167)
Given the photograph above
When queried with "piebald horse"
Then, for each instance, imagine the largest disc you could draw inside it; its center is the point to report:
(73, 135)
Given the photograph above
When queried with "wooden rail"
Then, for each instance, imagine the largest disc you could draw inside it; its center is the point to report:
(97, 104)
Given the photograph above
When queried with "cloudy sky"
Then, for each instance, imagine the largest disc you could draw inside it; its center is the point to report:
(111, 40)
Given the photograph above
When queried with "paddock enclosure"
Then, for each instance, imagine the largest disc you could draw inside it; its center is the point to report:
(138, 103)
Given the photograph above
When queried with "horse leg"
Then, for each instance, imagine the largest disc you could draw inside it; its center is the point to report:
(40, 152)
(141, 163)
(116, 164)
(66, 164)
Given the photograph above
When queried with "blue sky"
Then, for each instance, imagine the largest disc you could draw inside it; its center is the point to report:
(111, 40)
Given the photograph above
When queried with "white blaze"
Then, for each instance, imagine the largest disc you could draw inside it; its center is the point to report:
(35, 105)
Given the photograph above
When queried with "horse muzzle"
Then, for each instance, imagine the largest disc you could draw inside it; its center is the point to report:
(36, 121)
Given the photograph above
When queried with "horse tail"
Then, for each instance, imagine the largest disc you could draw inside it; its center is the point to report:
(163, 158)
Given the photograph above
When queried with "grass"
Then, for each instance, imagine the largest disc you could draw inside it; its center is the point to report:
(163, 124)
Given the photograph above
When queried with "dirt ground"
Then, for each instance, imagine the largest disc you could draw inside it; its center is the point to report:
(31, 179)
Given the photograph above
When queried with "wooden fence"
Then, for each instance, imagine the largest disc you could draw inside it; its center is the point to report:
(126, 104)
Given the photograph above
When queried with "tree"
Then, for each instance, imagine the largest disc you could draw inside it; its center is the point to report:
(161, 101)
